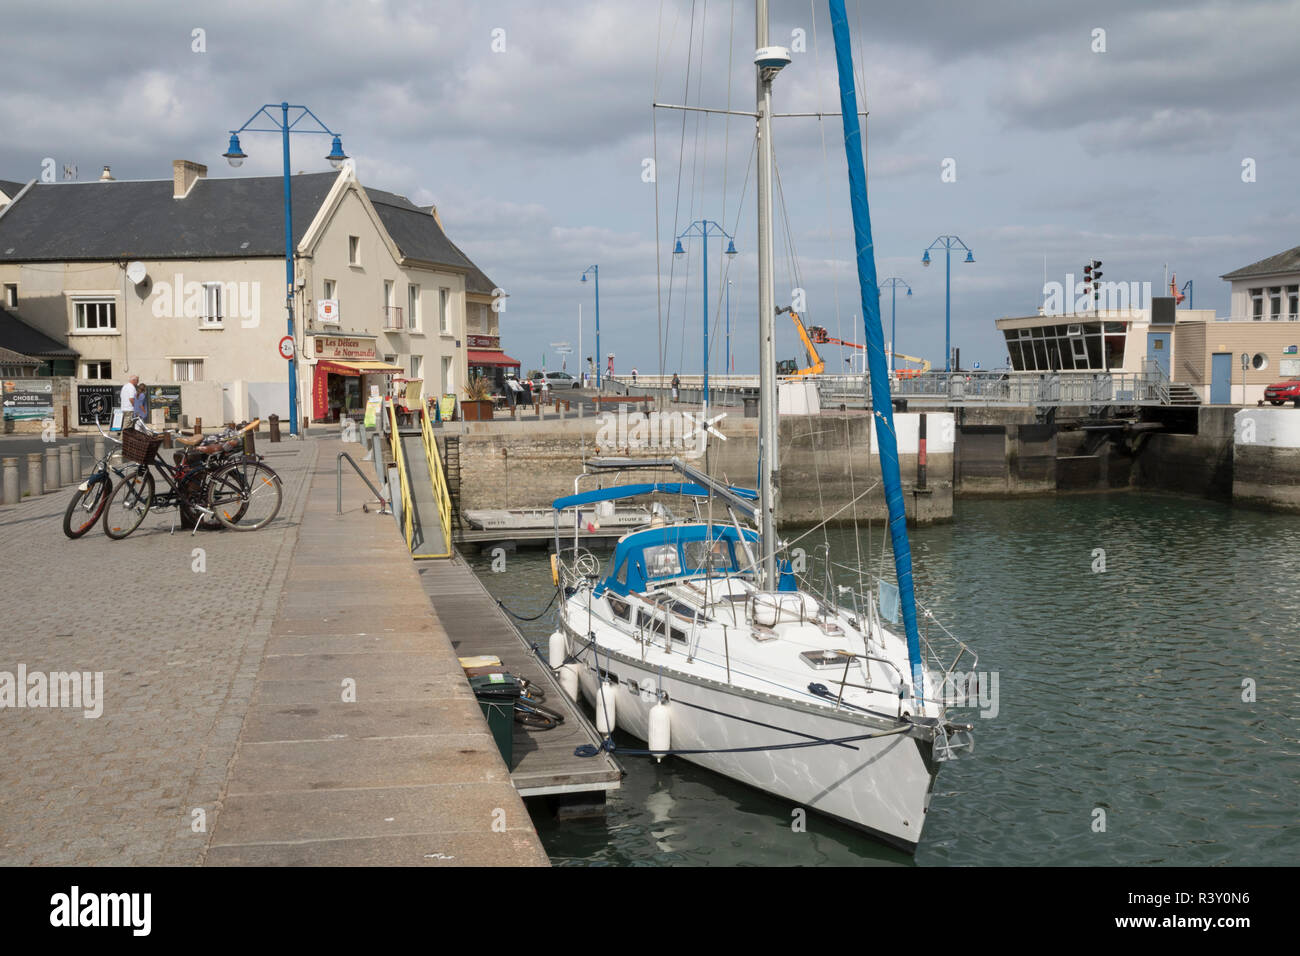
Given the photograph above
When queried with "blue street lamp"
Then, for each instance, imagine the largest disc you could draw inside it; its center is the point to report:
(892, 283)
(1189, 289)
(595, 270)
(948, 243)
(236, 156)
(706, 229)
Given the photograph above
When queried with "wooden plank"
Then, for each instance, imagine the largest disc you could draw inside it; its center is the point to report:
(544, 761)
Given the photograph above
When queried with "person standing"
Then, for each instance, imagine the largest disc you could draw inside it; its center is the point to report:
(677, 386)
(633, 374)
(129, 394)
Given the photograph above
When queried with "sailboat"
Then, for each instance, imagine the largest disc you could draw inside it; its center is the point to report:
(699, 638)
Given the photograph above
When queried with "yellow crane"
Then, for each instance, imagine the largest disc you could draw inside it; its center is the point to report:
(821, 337)
(789, 367)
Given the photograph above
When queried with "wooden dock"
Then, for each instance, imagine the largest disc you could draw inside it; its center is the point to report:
(544, 762)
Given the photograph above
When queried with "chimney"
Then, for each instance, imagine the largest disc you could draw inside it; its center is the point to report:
(106, 176)
(184, 175)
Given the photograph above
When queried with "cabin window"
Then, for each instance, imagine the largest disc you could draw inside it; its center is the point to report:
(655, 625)
(662, 561)
(621, 608)
(621, 574)
(711, 555)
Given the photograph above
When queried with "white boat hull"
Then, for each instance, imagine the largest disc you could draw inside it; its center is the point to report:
(881, 785)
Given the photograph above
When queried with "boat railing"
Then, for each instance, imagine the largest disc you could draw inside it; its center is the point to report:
(934, 665)
(850, 657)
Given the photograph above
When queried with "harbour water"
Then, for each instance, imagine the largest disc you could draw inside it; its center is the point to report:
(1120, 699)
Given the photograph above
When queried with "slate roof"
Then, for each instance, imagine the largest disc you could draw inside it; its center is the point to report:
(1288, 261)
(20, 337)
(10, 357)
(236, 218)
(219, 219)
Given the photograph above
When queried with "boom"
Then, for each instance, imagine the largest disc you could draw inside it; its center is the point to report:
(816, 365)
(821, 337)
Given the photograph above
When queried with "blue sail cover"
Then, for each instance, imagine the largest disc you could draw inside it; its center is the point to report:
(631, 491)
(881, 404)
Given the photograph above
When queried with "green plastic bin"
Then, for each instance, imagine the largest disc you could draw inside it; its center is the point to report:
(496, 695)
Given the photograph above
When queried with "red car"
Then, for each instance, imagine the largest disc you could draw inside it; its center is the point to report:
(1288, 391)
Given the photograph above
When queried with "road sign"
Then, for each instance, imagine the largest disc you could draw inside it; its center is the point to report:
(975, 365)
(286, 347)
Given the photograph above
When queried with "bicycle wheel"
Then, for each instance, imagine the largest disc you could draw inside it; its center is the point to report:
(245, 495)
(128, 504)
(531, 718)
(194, 503)
(87, 505)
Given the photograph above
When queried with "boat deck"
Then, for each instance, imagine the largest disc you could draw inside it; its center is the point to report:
(544, 762)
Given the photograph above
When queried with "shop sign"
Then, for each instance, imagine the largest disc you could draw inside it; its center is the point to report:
(342, 347)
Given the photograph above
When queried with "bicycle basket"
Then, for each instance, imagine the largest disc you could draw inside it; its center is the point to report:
(139, 446)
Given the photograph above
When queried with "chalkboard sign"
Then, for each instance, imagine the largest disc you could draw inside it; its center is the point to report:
(168, 398)
(97, 401)
(28, 399)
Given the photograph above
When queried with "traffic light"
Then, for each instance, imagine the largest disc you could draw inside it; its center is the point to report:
(1087, 279)
(1096, 282)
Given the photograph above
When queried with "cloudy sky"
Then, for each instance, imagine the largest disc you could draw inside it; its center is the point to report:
(530, 126)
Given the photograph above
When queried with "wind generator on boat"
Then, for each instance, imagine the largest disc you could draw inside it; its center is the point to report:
(699, 637)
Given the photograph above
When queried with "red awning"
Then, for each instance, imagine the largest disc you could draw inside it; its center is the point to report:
(476, 357)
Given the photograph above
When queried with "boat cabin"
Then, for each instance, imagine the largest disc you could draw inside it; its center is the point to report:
(646, 559)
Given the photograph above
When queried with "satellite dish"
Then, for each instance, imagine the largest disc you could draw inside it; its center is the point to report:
(135, 272)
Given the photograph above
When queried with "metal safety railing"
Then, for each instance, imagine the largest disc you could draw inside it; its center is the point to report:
(399, 459)
(438, 480)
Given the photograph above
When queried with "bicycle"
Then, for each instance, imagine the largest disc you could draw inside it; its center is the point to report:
(529, 710)
(188, 482)
(92, 495)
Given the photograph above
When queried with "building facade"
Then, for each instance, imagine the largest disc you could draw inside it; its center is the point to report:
(183, 281)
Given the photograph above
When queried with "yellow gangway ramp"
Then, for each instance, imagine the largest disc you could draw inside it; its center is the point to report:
(426, 503)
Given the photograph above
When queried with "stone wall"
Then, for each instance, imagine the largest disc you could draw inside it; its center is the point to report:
(826, 462)
(1266, 458)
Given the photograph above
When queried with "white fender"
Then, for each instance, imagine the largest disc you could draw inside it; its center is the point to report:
(606, 707)
(569, 680)
(661, 723)
(558, 650)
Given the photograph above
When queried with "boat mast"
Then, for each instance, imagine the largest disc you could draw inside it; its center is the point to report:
(767, 406)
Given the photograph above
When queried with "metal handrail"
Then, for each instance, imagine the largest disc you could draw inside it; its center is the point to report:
(338, 474)
(438, 481)
(399, 458)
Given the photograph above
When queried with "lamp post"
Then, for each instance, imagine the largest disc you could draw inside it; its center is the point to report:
(706, 229)
(1190, 290)
(892, 283)
(236, 156)
(595, 270)
(730, 370)
(948, 243)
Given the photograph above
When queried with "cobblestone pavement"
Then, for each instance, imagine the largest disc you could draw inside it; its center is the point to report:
(178, 642)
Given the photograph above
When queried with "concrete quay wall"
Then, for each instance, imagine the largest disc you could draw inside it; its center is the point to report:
(1266, 458)
(827, 461)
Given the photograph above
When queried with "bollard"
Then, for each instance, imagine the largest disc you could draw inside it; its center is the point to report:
(275, 428)
(35, 484)
(51, 469)
(99, 448)
(65, 465)
(11, 494)
(76, 463)
(198, 426)
(560, 408)
(250, 442)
